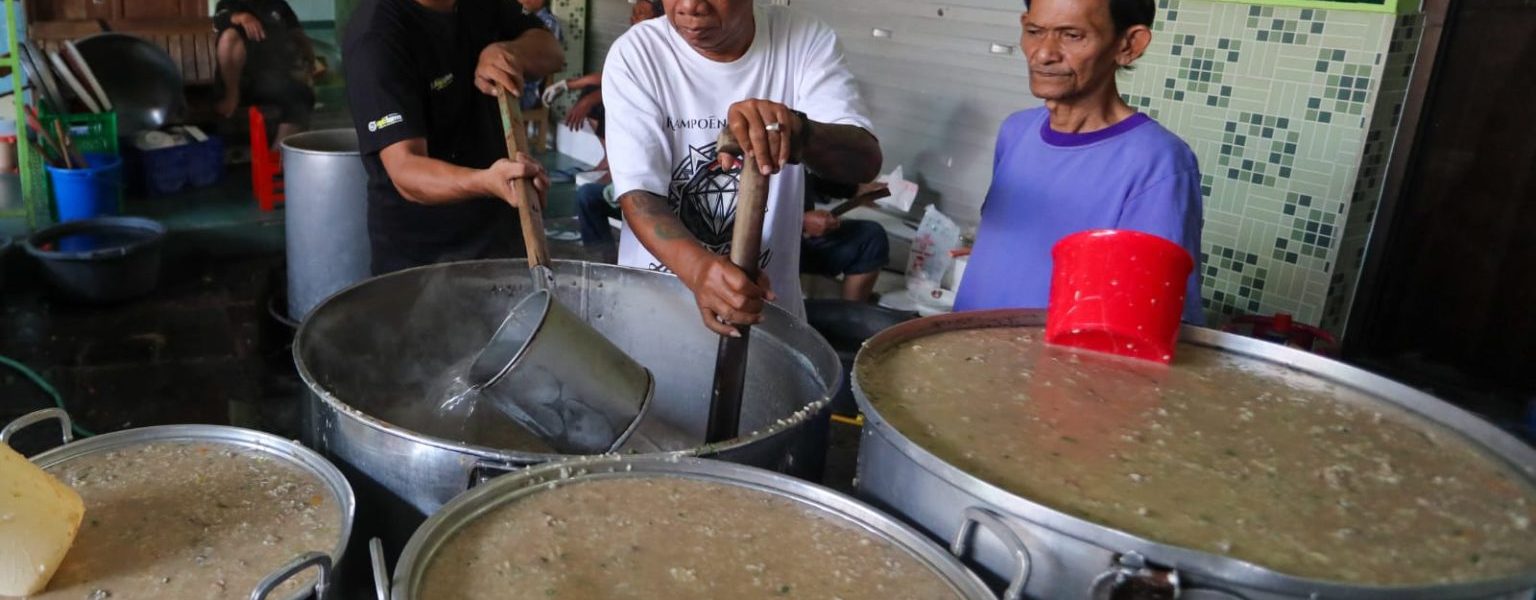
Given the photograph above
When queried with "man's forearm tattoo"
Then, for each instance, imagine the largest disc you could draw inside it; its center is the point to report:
(664, 222)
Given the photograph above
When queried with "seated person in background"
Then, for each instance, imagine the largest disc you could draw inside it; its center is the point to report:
(1086, 160)
(265, 59)
(590, 105)
(533, 88)
(853, 249)
(594, 201)
(594, 206)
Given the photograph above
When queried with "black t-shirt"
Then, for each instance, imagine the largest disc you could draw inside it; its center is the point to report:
(410, 74)
(280, 49)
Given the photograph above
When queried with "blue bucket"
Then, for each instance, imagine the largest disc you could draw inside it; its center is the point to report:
(88, 192)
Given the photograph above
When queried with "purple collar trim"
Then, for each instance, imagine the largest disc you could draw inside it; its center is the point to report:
(1068, 140)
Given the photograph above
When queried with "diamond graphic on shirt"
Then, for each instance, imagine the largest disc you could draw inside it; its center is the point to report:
(705, 198)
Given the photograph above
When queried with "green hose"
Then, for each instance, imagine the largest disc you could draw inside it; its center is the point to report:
(43, 383)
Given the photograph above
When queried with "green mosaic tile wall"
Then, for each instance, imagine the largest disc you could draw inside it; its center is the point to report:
(573, 24)
(1280, 105)
(1396, 71)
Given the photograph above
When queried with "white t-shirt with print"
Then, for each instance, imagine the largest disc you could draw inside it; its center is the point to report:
(666, 105)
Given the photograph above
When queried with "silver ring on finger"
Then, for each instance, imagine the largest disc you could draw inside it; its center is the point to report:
(774, 127)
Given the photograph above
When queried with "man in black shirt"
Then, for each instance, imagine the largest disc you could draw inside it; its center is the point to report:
(265, 58)
(421, 79)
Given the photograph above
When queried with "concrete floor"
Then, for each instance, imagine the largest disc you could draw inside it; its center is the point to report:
(202, 348)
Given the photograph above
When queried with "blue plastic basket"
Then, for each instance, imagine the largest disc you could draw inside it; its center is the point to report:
(205, 162)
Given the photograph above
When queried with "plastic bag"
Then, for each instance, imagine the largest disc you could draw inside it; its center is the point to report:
(903, 192)
(936, 236)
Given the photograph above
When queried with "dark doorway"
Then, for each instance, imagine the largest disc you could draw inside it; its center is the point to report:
(1452, 305)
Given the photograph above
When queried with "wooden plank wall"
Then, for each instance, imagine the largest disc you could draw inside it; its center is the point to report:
(937, 87)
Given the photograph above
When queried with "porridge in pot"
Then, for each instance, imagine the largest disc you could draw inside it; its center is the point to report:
(190, 520)
(669, 537)
(1218, 452)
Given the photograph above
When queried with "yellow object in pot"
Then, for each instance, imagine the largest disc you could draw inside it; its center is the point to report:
(39, 517)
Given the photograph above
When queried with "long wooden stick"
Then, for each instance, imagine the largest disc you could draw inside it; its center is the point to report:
(529, 211)
(69, 161)
(746, 249)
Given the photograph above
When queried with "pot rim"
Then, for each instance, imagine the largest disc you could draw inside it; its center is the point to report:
(779, 427)
(472, 505)
(1482, 435)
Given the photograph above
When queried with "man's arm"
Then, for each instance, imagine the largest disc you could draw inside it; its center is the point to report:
(722, 291)
(426, 180)
(585, 81)
(835, 152)
(845, 154)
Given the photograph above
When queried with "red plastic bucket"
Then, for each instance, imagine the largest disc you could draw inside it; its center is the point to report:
(1118, 291)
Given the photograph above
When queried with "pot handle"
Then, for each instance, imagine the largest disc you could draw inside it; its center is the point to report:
(1132, 577)
(380, 570)
(994, 523)
(299, 565)
(35, 417)
(486, 470)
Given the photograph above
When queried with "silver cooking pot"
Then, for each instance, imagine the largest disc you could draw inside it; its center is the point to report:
(1050, 554)
(372, 356)
(287, 451)
(411, 571)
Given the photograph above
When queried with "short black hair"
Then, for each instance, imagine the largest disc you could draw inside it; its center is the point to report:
(1126, 14)
(656, 8)
(1130, 13)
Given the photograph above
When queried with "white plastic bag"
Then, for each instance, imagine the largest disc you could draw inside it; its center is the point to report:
(903, 192)
(930, 257)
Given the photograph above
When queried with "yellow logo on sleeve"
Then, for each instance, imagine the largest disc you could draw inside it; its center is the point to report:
(385, 121)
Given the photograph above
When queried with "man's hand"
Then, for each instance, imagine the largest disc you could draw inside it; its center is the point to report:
(819, 223)
(726, 297)
(577, 117)
(499, 179)
(499, 68)
(553, 91)
(252, 26)
(749, 121)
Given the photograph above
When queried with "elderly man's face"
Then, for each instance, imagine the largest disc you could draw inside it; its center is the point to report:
(712, 26)
(1071, 46)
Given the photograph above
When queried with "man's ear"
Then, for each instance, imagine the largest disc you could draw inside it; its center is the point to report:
(1133, 43)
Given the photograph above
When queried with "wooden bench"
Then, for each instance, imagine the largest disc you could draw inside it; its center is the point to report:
(191, 42)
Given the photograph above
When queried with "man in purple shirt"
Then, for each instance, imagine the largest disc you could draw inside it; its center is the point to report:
(1086, 160)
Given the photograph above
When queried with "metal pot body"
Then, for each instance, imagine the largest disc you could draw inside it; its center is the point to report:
(411, 571)
(1067, 557)
(287, 451)
(373, 352)
(326, 216)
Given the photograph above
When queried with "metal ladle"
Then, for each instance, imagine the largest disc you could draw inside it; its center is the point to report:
(545, 367)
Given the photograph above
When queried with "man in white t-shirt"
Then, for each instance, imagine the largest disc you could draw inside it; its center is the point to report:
(778, 80)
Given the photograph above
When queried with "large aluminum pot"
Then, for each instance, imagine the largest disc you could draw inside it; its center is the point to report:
(326, 219)
(1068, 557)
(410, 573)
(370, 355)
(287, 451)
